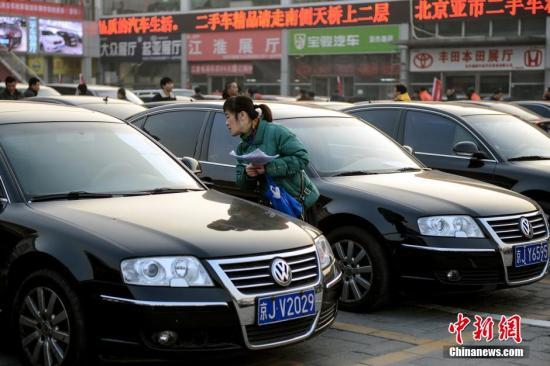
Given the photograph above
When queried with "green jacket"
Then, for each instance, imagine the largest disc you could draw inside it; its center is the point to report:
(286, 170)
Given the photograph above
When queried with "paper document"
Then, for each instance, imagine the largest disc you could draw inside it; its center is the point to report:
(256, 157)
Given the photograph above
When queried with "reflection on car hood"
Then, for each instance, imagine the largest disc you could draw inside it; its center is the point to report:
(541, 167)
(205, 224)
(437, 193)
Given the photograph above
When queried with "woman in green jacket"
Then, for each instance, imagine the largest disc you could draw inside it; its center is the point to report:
(257, 132)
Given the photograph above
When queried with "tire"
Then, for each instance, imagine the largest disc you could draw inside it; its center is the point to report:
(48, 321)
(366, 282)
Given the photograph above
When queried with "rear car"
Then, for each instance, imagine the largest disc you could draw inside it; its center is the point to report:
(108, 240)
(392, 222)
(50, 41)
(96, 90)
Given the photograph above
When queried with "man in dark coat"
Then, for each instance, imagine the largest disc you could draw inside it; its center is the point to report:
(11, 92)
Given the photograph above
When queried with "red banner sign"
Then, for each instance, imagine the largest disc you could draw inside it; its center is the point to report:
(138, 25)
(48, 10)
(222, 69)
(465, 9)
(258, 45)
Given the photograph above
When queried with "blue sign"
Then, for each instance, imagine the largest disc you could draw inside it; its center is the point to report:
(33, 35)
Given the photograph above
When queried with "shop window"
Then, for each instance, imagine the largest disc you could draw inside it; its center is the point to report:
(527, 76)
(488, 84)
(449, 29)
(117, 7)
(535, 26)
(424, 30)
(505, 27)
(527, 92)
(477, 28)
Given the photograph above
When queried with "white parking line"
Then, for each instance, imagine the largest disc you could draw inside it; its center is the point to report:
(453, 310)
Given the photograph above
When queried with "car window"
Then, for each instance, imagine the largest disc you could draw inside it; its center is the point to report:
(221, 142)
(119, 110)
(434, 134)
(178, 131)
(384, 119)
(538, 109)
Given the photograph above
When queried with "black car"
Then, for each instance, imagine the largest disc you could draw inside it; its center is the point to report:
(475, 142)
(118, 108)
(540, 107)
(70, 38)
(387, 216)
(107, 237)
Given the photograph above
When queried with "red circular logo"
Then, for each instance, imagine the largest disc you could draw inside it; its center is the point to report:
(423, 60)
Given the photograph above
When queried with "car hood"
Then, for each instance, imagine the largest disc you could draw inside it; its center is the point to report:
(206, 224)
(438, 193)
(539, 166)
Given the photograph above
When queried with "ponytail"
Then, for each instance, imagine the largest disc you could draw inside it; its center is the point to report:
(266, 112)
(239, 104)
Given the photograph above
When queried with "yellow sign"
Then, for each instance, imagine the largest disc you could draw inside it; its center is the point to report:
(37, 64)
(66, 66)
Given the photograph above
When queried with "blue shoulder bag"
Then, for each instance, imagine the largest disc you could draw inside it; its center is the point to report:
(281, 200)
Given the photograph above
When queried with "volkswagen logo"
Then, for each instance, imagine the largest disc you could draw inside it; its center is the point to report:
(281, 272)
(526, 228)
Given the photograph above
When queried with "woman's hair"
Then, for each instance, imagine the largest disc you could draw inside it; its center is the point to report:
(238, 104)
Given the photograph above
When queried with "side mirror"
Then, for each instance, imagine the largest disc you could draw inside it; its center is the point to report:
(409, 149)
(3, 204)
(468, 148)
(192, 164)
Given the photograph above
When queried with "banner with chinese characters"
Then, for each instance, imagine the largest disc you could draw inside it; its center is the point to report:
(437, 10)
(256, 45)
(345, 40)
(42, 9)
(142, 48)
(322, 16)
(222, 69)
(478, 59)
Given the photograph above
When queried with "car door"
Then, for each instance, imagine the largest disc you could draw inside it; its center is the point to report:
(177, 130)
(433, 136)
(218, 167)
(385, 119)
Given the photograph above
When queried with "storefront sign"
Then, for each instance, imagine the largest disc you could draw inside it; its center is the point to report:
(471, 9)
(142, 48)
(258, 45)
(13, 33)
(222, 69)
(37, 64)
(50, 10)
(478, 59)
(345, 40)
(336, 15)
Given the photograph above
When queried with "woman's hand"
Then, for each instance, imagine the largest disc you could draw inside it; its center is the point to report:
(251, 171)
(260, 169)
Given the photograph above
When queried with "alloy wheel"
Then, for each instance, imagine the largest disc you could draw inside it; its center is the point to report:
(357, 269)
(44, 327)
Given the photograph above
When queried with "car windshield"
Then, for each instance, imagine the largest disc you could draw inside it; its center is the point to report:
(517, 111)
(113, 94)
(512, 137)
(62, 157)
(347, 145)
(118, 110)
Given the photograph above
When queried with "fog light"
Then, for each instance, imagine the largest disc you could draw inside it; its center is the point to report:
(166, 338)
(453, 275)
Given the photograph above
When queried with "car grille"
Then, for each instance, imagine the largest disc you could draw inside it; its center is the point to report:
(509, 231)
(57, 42)
(328, 313)
(279, 332)
(252, 277)
(525, 273)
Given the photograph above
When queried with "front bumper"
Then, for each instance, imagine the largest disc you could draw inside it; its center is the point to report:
(127, 319)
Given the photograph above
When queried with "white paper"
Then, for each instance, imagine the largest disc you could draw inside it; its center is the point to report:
(256, 157)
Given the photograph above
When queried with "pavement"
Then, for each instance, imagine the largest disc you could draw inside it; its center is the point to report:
(411, 331)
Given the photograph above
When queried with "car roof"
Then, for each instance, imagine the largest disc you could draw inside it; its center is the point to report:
(280, 110)
(26, 111)
(446, 107)
(90, 86)
(81, 100)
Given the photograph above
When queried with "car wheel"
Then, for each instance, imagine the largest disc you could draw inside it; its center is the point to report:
(366, 281)
(48, 321)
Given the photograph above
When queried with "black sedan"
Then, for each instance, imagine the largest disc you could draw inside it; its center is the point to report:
(107, 237)
(476, 142)
(118, 108)
(387, 216)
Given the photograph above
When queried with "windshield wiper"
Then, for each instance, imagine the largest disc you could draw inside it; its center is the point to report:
(163, 190)
(408, 169)
(530, 157)
(354, 172)
(75, 195)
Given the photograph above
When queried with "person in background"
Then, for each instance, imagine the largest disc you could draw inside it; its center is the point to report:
(11, 92)
(401, 94)
(424, 95)
(253, 93)
(166, 87)
(311, 95)
(497, 95)
(257, 132)
(232, 89)
(546, 95)
(121, 94)
(303, 96)
(471, 94)
(33, 89)
(82, 89)
(197, 95)
(451, 94)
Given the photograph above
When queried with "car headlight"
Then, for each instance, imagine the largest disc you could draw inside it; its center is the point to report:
(450, 226)
(165, 271)
(326, 257)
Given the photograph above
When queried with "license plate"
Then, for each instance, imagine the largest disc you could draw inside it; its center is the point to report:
(276, 309)
(525, 255)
